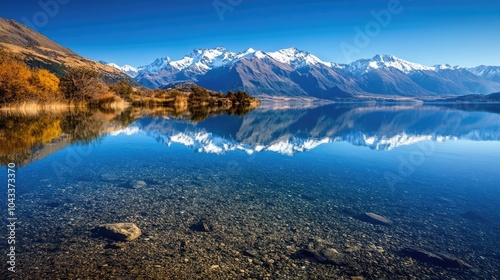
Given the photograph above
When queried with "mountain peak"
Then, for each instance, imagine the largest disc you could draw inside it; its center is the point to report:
(446, 67)
(381, 61)
(385, 58)
(127, 69)
(206, 50)
(297, 58)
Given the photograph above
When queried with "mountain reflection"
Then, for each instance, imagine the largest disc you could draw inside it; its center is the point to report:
(27, 138)
(298, 130)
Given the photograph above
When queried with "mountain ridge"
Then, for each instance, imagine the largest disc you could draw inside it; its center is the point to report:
(266, 73)
(284, 73)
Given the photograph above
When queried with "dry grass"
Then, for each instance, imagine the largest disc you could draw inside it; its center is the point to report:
(35, 109)
(59, 57)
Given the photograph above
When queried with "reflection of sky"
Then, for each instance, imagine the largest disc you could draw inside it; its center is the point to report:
(454, 164)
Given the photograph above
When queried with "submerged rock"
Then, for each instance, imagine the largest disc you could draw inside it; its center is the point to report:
(251, 253)
(119, 231)
(134, 184)
(110, 177)
(376, 219)
(203, 225)
(138, 184)
(439, 259)
(321, 252)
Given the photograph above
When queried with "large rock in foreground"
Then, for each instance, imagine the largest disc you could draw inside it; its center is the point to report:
(119, 231)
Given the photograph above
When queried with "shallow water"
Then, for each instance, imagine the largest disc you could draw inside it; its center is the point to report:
(271, 182)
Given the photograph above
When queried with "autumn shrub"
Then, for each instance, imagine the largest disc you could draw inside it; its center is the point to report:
(14, 79)
(45, 85)
(20, 84)
(123, 89)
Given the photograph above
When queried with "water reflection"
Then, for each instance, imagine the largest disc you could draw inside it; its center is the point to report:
(297, 130)
(26, 138)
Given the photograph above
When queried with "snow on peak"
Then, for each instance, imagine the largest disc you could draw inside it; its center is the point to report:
(297, 58)
(485, 71)
(446, 67)
(127, 69)
(203, 60)
(199, 60)
(362, 66)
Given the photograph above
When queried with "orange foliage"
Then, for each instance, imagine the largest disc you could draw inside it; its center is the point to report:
(45, 85)
(14, 76)
(19, 84)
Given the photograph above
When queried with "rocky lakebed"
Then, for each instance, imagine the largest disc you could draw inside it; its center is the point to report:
(193, 226)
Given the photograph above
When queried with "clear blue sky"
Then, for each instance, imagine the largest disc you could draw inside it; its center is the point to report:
(431, 32)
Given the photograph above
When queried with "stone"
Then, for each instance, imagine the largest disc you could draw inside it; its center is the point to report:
(203, 225)
(321, 252)
(439, 259)
(376, 219)
(109, 177)
(138, 184)
(251, 253)
(119, 231)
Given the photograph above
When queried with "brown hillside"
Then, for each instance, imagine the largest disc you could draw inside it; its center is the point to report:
(39, 51)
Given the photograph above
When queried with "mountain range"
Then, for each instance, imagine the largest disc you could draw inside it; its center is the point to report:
(292, 72)
(283, 73)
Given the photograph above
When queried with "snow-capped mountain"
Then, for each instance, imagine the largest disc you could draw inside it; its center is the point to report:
(296, 58)
(203, 60)
(199, 60)
(127, 69)
(440, 67)
(293, 72)
(488, 72)
(362, 66)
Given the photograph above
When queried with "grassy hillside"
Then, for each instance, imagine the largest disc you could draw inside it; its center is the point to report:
(38, 51)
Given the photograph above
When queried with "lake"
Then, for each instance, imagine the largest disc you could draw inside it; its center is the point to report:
(281, 192)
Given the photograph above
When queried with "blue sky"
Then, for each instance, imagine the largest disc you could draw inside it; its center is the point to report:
(457, 32)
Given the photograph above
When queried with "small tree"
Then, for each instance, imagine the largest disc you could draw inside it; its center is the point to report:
(123, 89)
(83, 85)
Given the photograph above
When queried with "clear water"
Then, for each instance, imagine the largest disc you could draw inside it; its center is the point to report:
(273, 181)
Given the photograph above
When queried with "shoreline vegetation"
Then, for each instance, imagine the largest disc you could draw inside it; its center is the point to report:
(26, 88)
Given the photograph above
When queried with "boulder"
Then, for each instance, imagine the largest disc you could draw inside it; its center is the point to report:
(119, 231)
